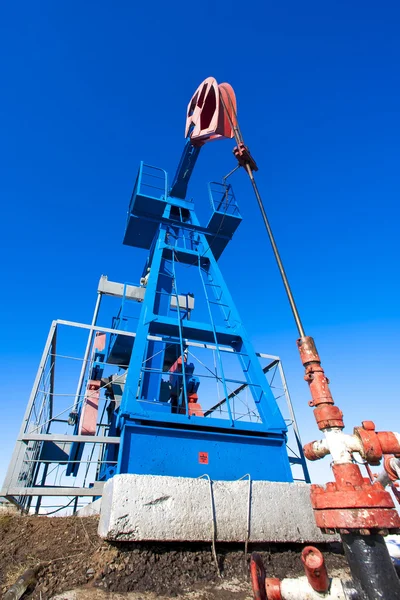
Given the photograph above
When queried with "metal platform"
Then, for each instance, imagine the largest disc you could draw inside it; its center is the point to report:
(225, 218)
(149, 203)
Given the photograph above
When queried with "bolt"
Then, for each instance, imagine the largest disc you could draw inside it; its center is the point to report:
(368, 425)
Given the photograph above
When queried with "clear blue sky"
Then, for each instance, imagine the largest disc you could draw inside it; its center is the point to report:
(91, 88)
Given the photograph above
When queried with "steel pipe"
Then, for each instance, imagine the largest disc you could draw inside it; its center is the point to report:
(85, 359)
(278, 259)
(299, 589)
(371, 566)
(391, 471)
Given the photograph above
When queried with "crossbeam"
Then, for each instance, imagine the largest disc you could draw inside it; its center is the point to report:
(61, 437)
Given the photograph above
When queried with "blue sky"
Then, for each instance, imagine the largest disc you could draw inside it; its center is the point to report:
(91, 88)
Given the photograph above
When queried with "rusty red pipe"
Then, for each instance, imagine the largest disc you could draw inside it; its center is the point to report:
(315, 586)
(351, 502)
(352, 505)
(315, 569)
(257, 576)
(325, 412)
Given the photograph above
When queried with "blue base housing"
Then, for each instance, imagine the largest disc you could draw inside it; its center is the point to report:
(191, 452)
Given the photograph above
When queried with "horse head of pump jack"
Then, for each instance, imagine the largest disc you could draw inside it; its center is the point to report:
(211, 113)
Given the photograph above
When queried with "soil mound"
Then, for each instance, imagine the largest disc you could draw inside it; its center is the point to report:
(71, 555)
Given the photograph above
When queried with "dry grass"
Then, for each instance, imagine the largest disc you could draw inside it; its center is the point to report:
(13, 573)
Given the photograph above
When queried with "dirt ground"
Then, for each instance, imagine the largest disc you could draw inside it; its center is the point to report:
(71, 556)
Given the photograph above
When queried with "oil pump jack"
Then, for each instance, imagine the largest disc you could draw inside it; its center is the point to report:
(177, 462)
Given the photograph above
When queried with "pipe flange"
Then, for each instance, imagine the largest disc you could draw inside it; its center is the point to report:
(371, 449)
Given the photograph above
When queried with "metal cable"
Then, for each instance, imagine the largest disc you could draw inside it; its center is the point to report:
(185, 393)
(61, 508)
(214, 524)
(69, 407)
(219, 358)
(239, 140)
(248, 512)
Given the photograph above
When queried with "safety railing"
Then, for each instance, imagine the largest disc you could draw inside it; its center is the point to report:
(223, 199)
(43, 448)
(150, 181)
(123, 320)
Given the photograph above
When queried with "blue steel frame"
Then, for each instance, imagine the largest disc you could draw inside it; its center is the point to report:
(156, 438)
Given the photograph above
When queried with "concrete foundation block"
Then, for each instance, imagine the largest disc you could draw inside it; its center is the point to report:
(148, 507)
(91, 509)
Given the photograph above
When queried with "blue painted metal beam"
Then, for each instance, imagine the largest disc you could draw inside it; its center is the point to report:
(184, 171)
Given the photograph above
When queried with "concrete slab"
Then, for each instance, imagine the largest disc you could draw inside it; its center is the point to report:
(91, 509)
(147, 507)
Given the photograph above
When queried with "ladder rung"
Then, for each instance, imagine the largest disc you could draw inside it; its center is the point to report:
(151, 175)
(218, 303)
(155, 187)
